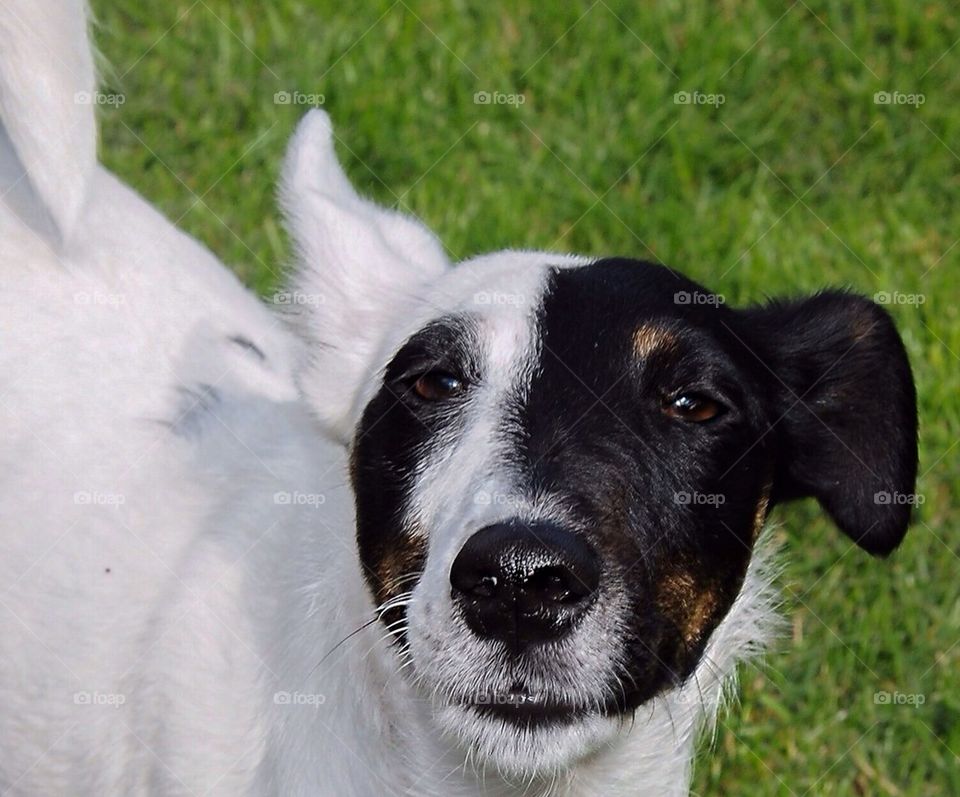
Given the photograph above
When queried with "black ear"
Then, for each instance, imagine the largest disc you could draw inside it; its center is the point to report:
(841, 387)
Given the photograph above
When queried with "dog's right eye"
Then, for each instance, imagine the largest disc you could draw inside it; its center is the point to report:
(693, 407)
(438, 386)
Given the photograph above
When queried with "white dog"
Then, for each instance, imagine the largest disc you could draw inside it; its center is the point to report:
(483, 530)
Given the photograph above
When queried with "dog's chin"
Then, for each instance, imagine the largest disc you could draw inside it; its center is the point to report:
(525, 741)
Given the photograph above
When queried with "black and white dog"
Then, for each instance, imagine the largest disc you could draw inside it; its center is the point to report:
(491, 529)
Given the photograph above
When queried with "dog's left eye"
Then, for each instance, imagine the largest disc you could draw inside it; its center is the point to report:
(693, 407)
(438, 385)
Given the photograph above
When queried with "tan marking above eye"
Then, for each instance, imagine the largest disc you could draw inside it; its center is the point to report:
(650, 338)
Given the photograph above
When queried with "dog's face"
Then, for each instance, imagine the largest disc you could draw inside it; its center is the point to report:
(561, 465)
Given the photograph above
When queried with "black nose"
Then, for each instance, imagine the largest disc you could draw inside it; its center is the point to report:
(524, 584)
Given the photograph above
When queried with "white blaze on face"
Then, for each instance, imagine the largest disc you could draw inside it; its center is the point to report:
(466, 481)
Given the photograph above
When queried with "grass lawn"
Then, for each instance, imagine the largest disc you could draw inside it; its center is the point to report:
(783, 174)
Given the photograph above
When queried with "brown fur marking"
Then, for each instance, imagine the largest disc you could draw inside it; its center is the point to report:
(690, 604)
(650, 338)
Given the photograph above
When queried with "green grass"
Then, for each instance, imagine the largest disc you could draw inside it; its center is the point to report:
(797, 181)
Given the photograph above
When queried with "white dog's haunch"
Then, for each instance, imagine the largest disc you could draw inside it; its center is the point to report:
(484, 529)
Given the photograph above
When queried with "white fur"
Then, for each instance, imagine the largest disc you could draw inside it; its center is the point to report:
(177, 559)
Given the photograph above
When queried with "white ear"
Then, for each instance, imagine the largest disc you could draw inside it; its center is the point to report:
(358, 267)
(47, 126)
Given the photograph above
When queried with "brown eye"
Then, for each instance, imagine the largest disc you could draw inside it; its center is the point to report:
(438, 385)
(693, 407)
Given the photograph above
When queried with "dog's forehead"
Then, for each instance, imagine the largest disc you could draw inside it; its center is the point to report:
(607, 293)
(623, 295)
(611, 307)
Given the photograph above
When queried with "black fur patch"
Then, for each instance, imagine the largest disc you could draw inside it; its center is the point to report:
(670, 505)
(674, 506)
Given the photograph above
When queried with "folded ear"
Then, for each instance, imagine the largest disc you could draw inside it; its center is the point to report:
(842, 390)
(358, 266)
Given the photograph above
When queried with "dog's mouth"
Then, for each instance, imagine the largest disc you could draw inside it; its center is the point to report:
(525, 709)
(531, 714)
